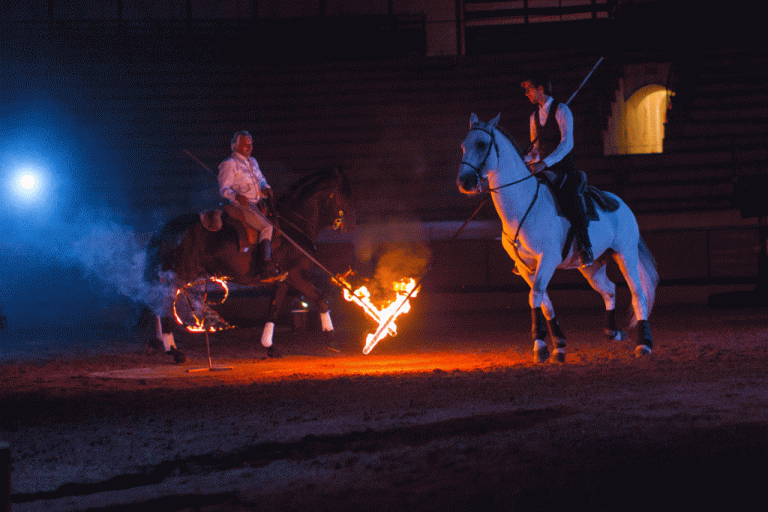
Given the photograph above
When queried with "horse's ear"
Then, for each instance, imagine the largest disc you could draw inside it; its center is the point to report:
(473, 120)
(493, 122)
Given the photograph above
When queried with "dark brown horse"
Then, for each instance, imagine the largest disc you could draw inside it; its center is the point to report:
(194, 246)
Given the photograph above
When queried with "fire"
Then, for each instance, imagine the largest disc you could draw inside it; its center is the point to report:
(203, 318)
(385, 315)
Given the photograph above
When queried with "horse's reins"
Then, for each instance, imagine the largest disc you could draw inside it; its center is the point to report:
(466, 222)
(478, 171)
(337, 222)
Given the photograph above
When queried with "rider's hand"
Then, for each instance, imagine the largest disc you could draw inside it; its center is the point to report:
(537, 167)
(240, 198)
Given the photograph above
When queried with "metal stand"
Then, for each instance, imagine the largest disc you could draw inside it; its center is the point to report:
(210, 368)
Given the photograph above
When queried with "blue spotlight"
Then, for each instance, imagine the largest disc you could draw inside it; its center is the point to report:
(28, 185)
(27, 182)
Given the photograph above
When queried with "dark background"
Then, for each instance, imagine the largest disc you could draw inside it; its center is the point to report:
(100, 100)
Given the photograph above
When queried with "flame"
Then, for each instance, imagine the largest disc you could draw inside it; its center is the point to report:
(385, 315)
(204, 319)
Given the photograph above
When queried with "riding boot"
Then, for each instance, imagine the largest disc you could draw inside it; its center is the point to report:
(581, 224)
(269, 272)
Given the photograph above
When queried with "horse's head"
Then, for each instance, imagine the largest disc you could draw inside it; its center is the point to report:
(319, 201)
(481, 153)
(339, 209)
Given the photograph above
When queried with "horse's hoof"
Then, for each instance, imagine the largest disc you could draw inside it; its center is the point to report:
(558, 356)
(178, 356)
(617, 335)
(642, 350)
(541, 355)
(273, 353)
(154, 346)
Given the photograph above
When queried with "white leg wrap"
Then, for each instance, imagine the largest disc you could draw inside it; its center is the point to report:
(266, 335)
(325, 320)
(538, 345)
(165, 337)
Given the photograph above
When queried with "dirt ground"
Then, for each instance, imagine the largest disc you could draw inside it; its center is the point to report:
(452, 414)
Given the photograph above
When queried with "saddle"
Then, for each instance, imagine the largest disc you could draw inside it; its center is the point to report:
(213, 220)
(594, 198)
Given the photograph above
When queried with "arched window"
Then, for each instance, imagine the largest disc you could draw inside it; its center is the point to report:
(637, 125)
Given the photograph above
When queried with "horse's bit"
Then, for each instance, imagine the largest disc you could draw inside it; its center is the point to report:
(339, 220)
(478, 170)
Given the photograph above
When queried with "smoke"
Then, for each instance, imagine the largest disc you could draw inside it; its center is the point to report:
(114, 257)
(73, 283)
(389, 253)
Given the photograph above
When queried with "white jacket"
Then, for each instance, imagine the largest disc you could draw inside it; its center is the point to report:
(238, 175)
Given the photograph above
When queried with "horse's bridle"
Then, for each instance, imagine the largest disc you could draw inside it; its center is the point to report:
(478, 170)
(337, 222)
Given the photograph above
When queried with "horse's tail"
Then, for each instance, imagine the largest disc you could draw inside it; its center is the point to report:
(649, 276)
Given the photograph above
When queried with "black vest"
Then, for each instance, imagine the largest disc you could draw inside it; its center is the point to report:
(549, 138)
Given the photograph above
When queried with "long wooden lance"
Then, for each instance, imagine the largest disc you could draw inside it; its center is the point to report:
(440, 254)
(250, 216)
(585, 80)
(530, 146)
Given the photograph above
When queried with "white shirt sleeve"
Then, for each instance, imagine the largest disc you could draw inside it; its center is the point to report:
(240, 176)
(226, 179)
(259, 176)
(564, 119)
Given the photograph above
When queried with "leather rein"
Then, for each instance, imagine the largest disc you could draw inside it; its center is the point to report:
(478, 172)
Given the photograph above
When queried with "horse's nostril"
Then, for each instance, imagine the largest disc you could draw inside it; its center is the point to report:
(467, 181)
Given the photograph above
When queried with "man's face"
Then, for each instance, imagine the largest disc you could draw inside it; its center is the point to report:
(244, 145)
(534, 94)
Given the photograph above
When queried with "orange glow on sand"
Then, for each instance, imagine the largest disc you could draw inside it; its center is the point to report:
(385, 314)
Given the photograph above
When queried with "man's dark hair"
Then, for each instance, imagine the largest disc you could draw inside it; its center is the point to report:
(538, 78)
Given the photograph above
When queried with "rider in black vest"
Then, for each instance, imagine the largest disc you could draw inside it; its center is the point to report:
(552, 142)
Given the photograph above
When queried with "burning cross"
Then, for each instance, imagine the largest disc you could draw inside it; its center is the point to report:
(386, 314)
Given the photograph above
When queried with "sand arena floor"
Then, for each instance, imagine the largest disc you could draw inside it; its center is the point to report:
(452, 414)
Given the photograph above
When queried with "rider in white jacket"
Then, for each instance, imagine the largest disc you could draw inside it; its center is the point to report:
(241, 181)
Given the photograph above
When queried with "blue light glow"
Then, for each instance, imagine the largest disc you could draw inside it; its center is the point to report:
(28, 185)
(27, 181)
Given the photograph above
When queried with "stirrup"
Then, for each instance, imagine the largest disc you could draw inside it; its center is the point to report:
(277, 278)
(273, 277)
(585, 257)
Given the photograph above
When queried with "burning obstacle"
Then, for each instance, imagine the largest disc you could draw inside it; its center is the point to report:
(192, 310)
(385, 313)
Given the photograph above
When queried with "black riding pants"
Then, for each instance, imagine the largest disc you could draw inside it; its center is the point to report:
(569, 192)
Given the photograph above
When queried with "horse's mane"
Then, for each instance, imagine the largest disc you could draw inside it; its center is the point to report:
(511, 140)
(311, 183)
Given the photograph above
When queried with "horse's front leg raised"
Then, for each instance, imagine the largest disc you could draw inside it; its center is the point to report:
(543, 318)
(315, 296)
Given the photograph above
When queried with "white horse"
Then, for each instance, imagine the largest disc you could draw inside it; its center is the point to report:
(535, 237)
